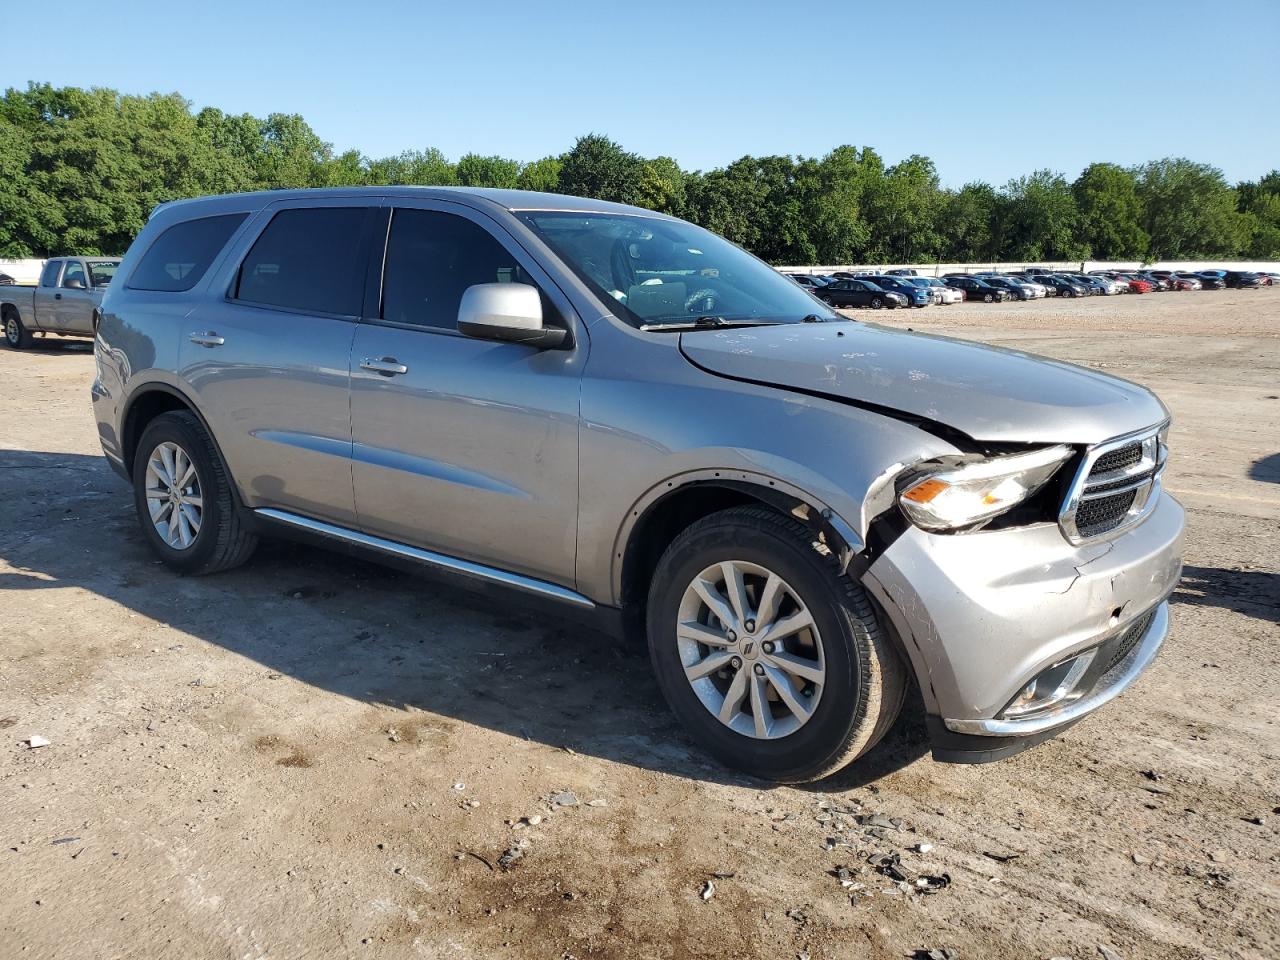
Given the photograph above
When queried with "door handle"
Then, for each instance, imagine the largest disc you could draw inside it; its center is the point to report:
(57, 296)
(209, 339)
(387, 366)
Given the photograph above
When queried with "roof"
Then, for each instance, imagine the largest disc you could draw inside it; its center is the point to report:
(505, 199)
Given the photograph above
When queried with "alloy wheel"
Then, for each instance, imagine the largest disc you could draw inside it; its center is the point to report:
(174, 499)
(11, 332)
(751, 649)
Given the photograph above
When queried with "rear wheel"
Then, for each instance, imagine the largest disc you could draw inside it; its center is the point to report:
(987, 298)
(772, 659)
(16, 335)
(876, 303)
(184, 499)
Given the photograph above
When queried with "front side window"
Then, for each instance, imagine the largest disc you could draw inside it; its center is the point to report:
(49, 278)
(307, 259)
(102, 272)
(656, 271)
(74, 272)
(432, 258)
(181, 255)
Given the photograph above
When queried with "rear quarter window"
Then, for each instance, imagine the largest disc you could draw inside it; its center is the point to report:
(181, 255)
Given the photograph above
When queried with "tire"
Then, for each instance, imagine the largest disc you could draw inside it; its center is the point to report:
(221, 540)
(876, 303)
(16, 335)
(863, 681)
(987, 298)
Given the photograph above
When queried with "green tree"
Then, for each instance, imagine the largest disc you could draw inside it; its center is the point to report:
(1259, 203)
(477, 171)
(597, 167)
(901, 208)
(414, 167)
(662, 186)
(1038, 219)
(1110, 212)
(1189, 211)
(966, 224)
(541, 175)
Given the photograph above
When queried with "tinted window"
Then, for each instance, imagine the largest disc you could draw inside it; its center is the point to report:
(431, 259)
(180, 256)
(102, 272)
(50, 276)
(307, 259)
(74, 271)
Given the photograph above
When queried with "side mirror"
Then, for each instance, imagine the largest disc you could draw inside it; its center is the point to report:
(510, 312)
(73, 283)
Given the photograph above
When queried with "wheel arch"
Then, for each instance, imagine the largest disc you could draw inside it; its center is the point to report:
(672, 505)
(148, 402)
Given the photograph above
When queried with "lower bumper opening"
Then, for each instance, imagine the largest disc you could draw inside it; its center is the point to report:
(1112, 668)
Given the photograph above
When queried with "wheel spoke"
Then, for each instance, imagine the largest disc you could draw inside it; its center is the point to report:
(760, 706)
(709, 664)
(699, 633)
(196, 501)
(192, 517)
(166, 458)
(733, 697)
(787, 626)
(164, 510)
(155, 493)
(184, 528)
(174, 534)
(796, 666)
(736, 590)
(787, 693)
(711, 597)
(770, 600)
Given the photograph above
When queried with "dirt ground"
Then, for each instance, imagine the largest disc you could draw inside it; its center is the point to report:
(317, 757)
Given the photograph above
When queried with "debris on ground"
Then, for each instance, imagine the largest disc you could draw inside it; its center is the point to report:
(1001, 857)
(35, 741)
(565, 798)
(1153, 775)
(54, 843)
(937, 953)
(708, 891)
(1107, 952)
(511, 856)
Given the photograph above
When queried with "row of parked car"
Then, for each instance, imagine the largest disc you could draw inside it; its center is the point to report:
(904, 288)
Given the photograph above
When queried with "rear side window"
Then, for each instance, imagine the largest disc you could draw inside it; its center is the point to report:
(307, 259)
(431, 259)
(181, 255)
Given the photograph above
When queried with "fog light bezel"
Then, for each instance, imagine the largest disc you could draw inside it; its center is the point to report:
(1051, 687)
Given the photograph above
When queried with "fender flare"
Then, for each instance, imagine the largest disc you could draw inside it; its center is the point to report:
(834, 529)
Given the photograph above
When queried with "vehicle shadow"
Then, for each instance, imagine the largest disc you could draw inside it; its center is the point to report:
(1266, 469)
(1254, 593)
(369, 632)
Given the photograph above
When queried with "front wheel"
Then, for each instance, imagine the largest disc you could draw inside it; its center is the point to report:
(16, 335)
(771, 658)
(987, 298)
(876, 303)
(184, 500)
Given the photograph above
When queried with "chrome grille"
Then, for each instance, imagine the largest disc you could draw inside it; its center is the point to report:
(1116, 484)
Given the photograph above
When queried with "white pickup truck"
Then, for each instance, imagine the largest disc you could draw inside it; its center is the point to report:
(64, 303)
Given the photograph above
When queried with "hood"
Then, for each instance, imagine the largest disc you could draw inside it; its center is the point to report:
(990, 394)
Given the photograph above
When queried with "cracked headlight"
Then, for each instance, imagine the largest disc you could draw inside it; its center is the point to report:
(952, 497)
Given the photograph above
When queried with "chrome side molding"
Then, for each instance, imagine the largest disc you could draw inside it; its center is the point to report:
(430, 558)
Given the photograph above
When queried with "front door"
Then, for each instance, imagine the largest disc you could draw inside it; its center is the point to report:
(73, 303)
(466, 447)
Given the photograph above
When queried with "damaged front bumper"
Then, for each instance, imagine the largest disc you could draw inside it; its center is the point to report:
(1016, 634)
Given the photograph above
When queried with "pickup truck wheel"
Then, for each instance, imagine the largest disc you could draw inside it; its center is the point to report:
(773, 661)
(184, 499)
(16, 335)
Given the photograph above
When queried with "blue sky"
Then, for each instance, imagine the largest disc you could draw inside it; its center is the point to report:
(988, 90)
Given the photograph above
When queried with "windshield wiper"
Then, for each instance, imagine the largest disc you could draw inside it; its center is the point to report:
(707, 323)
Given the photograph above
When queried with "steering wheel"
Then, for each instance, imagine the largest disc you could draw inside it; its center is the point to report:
(702, 302)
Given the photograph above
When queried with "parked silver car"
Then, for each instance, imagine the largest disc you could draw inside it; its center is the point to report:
(625, 414)
(64, 304)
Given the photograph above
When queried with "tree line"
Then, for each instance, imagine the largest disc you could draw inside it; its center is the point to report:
(80, 170)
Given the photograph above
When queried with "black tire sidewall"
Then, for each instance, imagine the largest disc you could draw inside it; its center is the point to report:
(187, 433)
(825, 735)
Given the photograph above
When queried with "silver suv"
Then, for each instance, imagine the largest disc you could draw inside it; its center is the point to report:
(623, 413)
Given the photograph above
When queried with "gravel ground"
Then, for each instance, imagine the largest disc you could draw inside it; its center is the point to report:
(313, 756)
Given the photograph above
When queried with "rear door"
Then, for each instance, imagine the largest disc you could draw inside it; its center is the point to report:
(269, 360)
(471, 448)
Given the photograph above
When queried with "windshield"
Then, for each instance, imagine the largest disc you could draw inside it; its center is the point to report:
(666, 271)
(102, 271)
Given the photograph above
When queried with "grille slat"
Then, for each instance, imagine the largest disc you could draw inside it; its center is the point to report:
(1113, 487)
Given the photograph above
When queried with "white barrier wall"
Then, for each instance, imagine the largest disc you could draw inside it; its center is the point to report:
(939, 269)
(24, 271)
